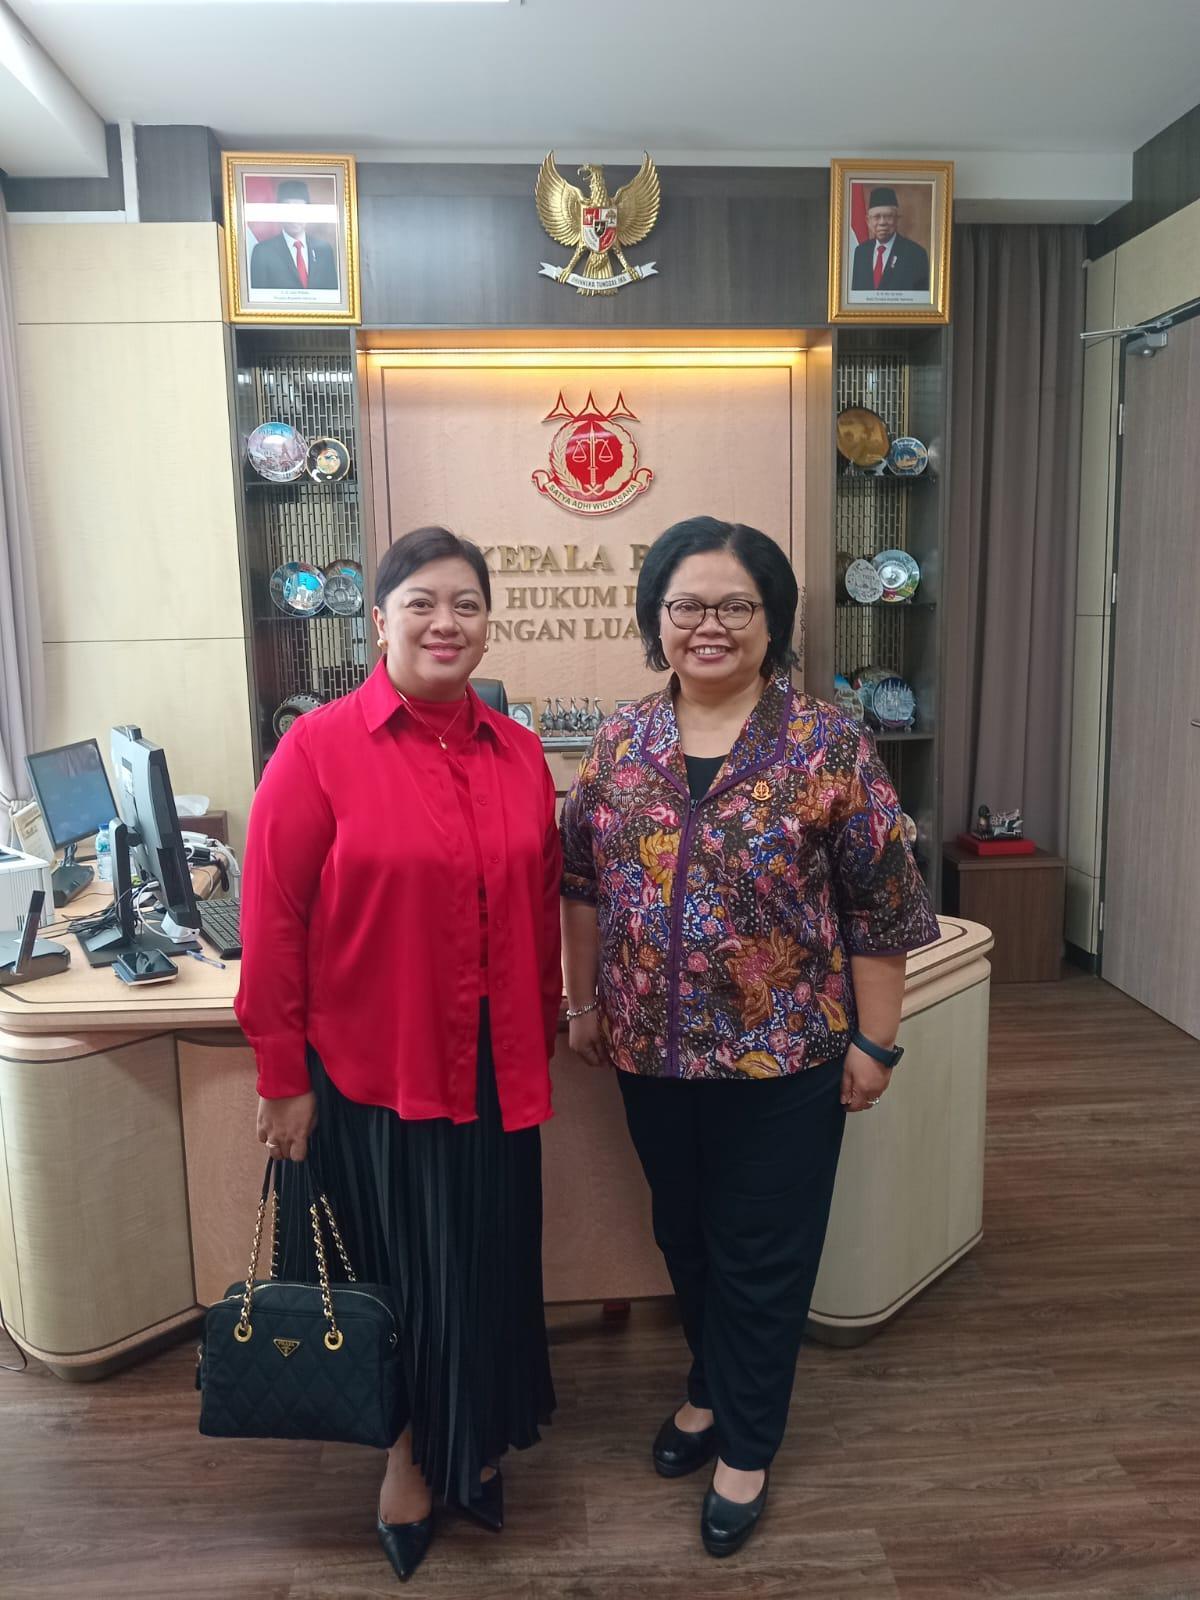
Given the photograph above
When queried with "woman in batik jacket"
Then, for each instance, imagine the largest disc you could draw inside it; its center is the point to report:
(739, 898)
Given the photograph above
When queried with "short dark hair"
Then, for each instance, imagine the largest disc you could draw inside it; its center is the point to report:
(417, 549)
(292, 189)
(762, 559)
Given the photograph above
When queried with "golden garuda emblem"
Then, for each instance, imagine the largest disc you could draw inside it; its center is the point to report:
(603, 227)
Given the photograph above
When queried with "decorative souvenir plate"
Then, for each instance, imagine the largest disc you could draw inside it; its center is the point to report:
(298, 588)
(862, 436)
(863, 583)
(907, 458)
(898, 573)
(327, 460)
(521, 711)
(294, 706)
(344, 588)
(866, 678)
(277, 452)
(891, 704)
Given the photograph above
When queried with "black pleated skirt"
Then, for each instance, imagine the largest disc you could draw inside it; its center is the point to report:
(450, 1217)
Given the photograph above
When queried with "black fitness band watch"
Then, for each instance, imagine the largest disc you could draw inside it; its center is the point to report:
(885, 1058)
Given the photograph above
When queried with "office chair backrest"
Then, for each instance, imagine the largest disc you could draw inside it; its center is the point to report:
(491, 692)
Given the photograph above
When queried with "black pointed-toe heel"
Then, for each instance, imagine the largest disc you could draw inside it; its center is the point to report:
(725, 1525)
(677, 1453)
(488, 1506)
(405, 1543)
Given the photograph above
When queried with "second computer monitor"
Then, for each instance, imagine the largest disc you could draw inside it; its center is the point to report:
(148, 810)
(72, 790)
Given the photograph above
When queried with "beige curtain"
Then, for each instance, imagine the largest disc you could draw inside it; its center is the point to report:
(22, 684)
(1016, 405)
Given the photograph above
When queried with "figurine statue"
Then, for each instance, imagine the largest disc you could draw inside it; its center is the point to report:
(998, 824)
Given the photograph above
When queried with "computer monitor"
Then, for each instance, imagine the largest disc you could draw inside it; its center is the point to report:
(144, 833)
(147, 807)
(73, 794)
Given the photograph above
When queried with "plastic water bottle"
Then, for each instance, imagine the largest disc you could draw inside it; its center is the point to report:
(103, 857)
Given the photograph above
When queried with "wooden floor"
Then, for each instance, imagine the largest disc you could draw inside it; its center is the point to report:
(1030, 1428)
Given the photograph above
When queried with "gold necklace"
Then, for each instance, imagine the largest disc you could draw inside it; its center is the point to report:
(440, 737)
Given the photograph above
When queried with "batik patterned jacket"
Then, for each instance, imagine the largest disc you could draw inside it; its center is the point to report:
(726, 925)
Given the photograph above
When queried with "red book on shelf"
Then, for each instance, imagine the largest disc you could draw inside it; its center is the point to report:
(996, 847)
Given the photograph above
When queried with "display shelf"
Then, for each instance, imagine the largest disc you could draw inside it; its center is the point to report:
(902, 374)
(308, 378)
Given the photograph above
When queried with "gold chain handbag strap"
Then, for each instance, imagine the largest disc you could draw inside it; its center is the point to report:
(333, 1336)
(243, 1328)
(337, 1238)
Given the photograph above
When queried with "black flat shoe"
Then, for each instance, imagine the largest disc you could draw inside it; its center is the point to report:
(677, 1453)
(405, 1543)
(488, 1508)
(725, 1525)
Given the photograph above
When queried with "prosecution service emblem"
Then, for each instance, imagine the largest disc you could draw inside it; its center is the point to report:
(603, 227)
(593, 459)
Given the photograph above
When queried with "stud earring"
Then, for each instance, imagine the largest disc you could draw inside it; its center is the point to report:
(381, 641)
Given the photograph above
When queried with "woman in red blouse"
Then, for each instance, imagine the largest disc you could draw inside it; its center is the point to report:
(400, 987)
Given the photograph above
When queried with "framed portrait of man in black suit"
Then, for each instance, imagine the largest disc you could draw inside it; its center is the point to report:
(291, 238)
(889, 241)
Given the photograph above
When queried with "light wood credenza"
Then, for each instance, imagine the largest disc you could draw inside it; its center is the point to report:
(129, 1167)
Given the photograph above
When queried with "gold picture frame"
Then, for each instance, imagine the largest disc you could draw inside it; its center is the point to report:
(291, 218)
(889, 262)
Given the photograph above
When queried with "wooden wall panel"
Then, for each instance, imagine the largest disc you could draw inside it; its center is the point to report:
(127, 451)
(115, 272)
(125, 399)
(188, 695)
(459, 447)
(460, 246)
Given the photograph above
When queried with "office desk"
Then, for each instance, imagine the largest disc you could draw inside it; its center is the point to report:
(129, 1168)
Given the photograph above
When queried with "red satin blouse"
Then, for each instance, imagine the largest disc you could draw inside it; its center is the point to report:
(361, 927)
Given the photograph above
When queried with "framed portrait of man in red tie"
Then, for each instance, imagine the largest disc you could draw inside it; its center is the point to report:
(291, 238)
(889, 241)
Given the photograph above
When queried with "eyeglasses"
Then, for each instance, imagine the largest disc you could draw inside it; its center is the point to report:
(732, 614)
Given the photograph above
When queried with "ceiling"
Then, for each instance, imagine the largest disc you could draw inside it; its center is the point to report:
(1078, 84)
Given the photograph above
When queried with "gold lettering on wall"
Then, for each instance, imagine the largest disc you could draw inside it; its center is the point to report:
(590, 599)
(528, 631)
(545, 558)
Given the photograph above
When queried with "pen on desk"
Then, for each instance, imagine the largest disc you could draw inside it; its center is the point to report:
(207, 960)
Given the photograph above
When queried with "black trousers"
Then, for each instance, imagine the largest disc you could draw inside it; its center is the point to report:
(741, 1176)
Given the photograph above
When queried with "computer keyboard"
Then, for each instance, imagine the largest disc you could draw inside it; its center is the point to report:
(220, 923)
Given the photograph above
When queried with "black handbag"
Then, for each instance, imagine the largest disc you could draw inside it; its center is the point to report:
(301, 1360)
